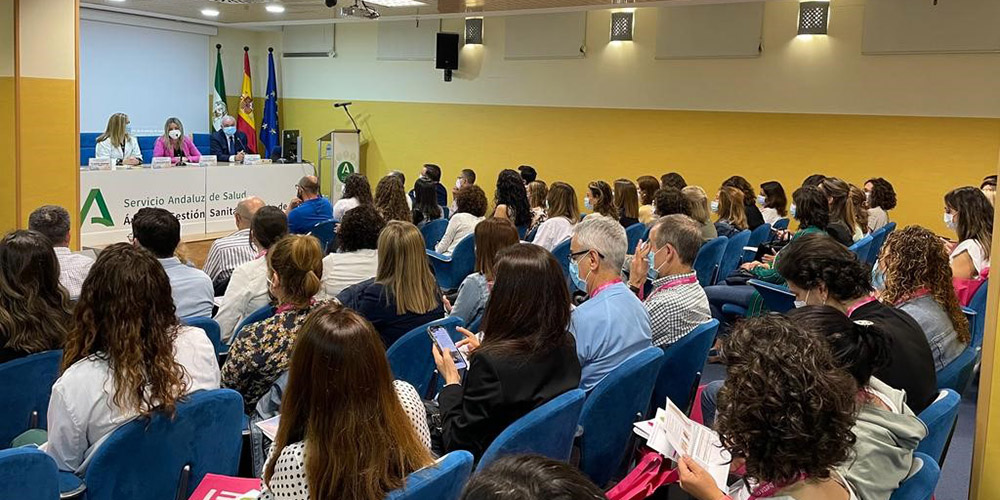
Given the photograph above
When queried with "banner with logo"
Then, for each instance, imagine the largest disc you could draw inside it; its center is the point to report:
(346, 159)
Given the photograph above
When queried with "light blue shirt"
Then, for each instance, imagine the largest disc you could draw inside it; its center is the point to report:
(191, 289)
(609, 329)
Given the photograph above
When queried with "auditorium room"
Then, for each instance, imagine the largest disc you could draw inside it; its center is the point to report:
(499, 249)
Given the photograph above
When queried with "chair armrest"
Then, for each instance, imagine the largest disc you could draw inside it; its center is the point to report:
(438, 256)
(733, 310)
(750, 249)
(70, 486)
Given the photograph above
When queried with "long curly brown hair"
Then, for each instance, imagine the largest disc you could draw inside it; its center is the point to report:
(34, 308)
(390, 199)
(786, 407)
(913, 259)
(126, 317)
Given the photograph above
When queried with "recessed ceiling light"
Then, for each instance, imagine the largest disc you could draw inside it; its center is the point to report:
(397, 3)
(116, 0)
(275, 8)
(210, 12)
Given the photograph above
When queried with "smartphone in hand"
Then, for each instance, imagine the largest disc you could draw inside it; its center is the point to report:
(443, 341)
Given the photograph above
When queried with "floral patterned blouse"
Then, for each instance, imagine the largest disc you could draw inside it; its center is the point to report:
(261, 353)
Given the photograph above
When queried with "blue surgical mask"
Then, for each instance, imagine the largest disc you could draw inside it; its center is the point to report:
(587, 204)
(878, 277)
(574, 274)
(128, 128)
(652, 273)
(791, 211)
(761, 199)
(715, 206)
(949, 220)
(230, 131)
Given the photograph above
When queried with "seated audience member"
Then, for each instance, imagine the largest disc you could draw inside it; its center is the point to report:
(677, 303)
(432, 172)
(229, 144)
(391, 200)
(173, 143)
(231, 251)
(648, 185)
(356, 258)
(538, 191)
(819, 271)
(859, 200)
(970, 215)
(786, 410)
(886, 429)
(347, 430)
(470, 205)
(669, 201)
(526, 356)
(118, 143)
(612, 325)
(492, 235)
(600, 200)
(626, 202)
(731, 211)
(403, 294)
(881, 198)
(772, 199)
(53, 222)
(125, 356)
(753, 216)
(563, 214)
(918, 281)
(357, 192)
(700, 210)
(308, 208)
(425, 207)
(530, 477)
(989, 187)
(467, 177)
(248, 290)
(261, 350)
(34, 309)
(511, 199)
(528, 174)
(674, 180)
(814, 180)
(159, 231)
(842, 221)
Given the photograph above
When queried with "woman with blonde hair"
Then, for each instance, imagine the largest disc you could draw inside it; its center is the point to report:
(563, 215)
(175, 144)
(700, 210)
(118, 143)
(391, 199)
(842, 220)
(537, 192)
(626, 201)
(403, 294)
(260, 351)
(859, 204)
(732, 213)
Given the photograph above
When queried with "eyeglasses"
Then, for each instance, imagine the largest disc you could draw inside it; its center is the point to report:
(574, 255)
(131, 238)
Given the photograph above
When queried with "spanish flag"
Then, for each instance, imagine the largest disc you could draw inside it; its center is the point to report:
(246, 123)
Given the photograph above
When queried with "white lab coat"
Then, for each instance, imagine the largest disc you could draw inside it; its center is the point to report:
(105, 149)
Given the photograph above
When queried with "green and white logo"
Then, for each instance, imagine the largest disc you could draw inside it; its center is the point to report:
(105, 218)
(344, 169)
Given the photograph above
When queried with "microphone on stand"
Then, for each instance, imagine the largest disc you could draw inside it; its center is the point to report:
(342, 104)
(348, 111)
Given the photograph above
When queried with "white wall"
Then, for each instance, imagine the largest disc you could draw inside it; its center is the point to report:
(233, 41)
(819, 74)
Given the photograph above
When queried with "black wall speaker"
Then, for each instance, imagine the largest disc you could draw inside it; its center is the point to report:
(447, 51)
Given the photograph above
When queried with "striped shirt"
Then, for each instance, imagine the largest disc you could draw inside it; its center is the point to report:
(73, 269)
(228, 252)
(676, 310)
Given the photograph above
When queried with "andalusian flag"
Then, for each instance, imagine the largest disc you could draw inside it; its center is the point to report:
(219, 108)
(246, 123)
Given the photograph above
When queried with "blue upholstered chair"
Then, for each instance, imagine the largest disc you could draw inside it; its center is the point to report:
(561, 253)
(433, 231)
(204, 143)
(27, 385)
(442, 481)
(863, 248)
(758, 236)
(326, 233)
(706, 264)
(939, 418)
(450, 270)
(211, 328)
(611, 409)
(522, 231)
(254, 317)
(28, 474)
(476, 324)
(146, 145)
(410, 357)
(88, 146)
(777, 298)
(547, 430)
(531, 235)
(166, 457)
(878, 240)
(921, 484)
(682, 363)
(780, 224)
(978, 304)
(634, 233)
(957, 374)
(733, 255)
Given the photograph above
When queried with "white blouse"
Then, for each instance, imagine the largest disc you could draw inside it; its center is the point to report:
(289, 479)
(105, 149)
(342, 206)
(247, 292)
(553, 232)
(771, 215)
(460, 226)
(81, 412)
(341, 270)
(979, 258)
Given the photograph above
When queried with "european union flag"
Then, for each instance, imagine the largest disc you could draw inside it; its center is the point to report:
(269, 127)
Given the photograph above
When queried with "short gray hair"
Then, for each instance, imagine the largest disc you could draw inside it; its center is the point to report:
(227, 117)
(52, 221)
(681, 232)
(248, 206)
(605, 235)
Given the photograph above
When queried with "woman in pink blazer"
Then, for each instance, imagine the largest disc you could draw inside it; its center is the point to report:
(174, 143)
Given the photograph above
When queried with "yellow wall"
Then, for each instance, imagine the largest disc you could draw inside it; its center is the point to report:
(922, 157)
(8, 175)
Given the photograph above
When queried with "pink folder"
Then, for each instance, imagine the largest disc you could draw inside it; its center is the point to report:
(219, 487)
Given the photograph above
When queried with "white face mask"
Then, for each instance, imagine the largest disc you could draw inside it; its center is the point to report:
(458, 183)
(174, 134)
(949, 220)
(799, 304)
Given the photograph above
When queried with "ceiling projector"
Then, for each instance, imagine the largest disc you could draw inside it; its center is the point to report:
(359, 9)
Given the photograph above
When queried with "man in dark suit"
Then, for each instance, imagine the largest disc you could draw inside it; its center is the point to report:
(433, 172)
(229, 144)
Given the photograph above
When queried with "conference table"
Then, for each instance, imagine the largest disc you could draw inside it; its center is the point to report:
(202, 197)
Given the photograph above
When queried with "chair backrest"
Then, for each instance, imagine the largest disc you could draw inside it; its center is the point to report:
(611, 409)
(634, 233)
(776, 297)
(780, 224)
(28, 474)
(324, 232)
(27, 385)
(433, 231)
(709, 258)
(211, 328)
(254, 317)
(978, 304)
(451, 271)
(522, 231)
(203, 142)
(531, 235)
(682, 362)
(410, 356)
(547, 430)
(733, 255)
(444, 480)
(561, 253)
(758, 236)
(145, 458)
(862, 248)
(921, 484)
(939, 418)
(957, 374)
(878, 240)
